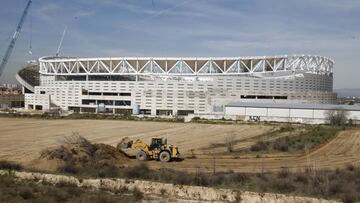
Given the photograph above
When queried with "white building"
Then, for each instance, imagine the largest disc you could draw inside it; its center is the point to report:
(177, 86)
(298, 113)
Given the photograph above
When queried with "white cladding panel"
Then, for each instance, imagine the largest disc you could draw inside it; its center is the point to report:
(256, 111)
(235, 110)
(278, 112)
(314, 116)
(321, 114)
(301, 113)
(355, 115)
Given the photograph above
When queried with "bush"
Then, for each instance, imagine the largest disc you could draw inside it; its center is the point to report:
(140, 171)
(202, 179)
(259, 146)
(302, 178)
(240, 177)
(281, 145)
(108, 171)
(337, 117)
(286, 129)
(283, 186)
(230, 142)
(284, 173)
(68, 167)
(10, 165)
(350, 167)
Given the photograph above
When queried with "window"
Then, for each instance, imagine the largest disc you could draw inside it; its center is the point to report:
(110, 94)
(88, 102)
(248, 97)
(106, 102)
(264, 97)
(125, 94)
(94, 93)
(122, 103)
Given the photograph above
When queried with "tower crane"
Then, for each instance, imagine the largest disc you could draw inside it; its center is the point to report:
(14, 38)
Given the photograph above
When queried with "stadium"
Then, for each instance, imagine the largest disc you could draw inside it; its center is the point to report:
(175, 86)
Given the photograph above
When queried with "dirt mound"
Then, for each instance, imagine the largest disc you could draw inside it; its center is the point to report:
(78, 151)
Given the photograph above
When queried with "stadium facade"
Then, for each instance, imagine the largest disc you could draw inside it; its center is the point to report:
(178, 86)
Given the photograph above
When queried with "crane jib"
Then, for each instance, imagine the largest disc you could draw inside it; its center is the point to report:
(14, 38)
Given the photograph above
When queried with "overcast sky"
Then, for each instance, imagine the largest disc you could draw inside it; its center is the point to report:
(187, 28)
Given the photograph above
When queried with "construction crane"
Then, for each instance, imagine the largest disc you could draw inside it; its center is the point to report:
(61, 41)
(14, 38)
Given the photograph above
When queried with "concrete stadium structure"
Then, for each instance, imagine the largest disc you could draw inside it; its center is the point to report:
(177, 86)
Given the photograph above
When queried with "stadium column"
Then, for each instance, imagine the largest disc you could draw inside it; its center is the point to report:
(153, 111)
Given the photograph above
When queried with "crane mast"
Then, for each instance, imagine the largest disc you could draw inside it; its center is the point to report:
(14, 38)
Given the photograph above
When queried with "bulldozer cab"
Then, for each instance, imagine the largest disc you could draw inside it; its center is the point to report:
(157, 143)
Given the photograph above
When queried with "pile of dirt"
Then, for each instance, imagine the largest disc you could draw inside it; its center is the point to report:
(78, 151)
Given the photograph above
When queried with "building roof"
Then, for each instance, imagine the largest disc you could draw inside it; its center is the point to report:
(293, 106)
(186, 66)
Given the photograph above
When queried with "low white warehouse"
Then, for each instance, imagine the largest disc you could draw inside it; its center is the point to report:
(301, 113)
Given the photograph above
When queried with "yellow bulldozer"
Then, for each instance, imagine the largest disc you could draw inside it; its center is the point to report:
(158, 149)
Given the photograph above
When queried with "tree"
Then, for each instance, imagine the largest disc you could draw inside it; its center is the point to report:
(337, 117)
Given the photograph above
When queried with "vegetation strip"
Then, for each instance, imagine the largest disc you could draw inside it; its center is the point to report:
(308, 140)
(147, 187)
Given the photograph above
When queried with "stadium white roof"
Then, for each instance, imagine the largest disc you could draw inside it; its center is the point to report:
(170, 66)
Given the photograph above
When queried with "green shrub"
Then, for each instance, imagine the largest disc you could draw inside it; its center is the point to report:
(286, 129)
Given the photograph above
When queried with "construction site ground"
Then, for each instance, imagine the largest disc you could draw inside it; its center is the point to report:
(22, 140)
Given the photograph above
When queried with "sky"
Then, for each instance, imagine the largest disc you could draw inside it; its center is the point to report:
(101, 28)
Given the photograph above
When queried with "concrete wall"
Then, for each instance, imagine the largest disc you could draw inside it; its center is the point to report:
(314, 116)
(34, 100)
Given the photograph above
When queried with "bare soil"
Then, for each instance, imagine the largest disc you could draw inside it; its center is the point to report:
(340, 152)
(22, 140)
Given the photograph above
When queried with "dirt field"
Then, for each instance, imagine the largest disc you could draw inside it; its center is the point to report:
(338, 153)
(22, 139)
